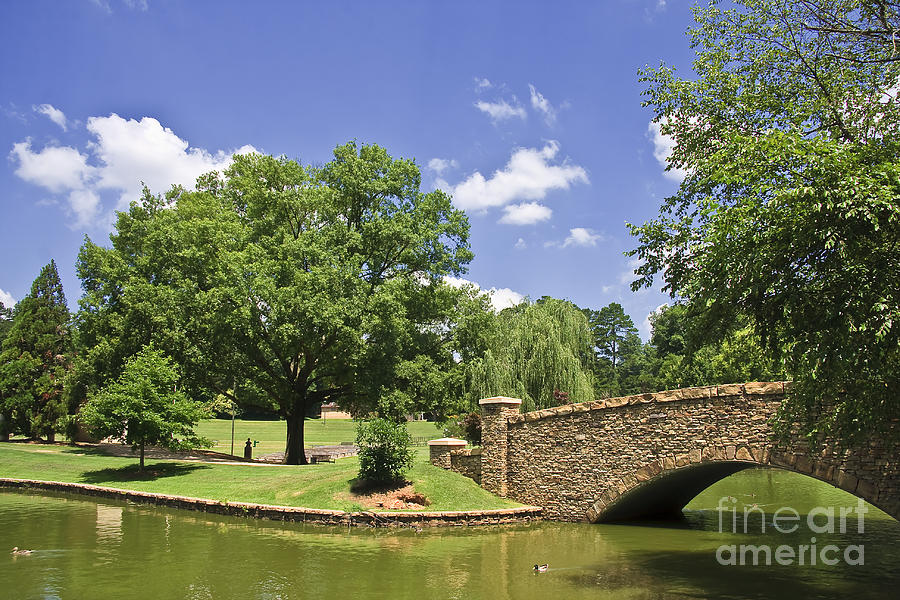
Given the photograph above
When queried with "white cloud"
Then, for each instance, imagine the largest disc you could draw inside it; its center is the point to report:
(7, 299)
(439, 165)
(504, 298)
(646, 327)
(527, 213)
(662, 150)
(501, 110)
(528, 175)
(520, 244)
(52, 113)
(123, 153)
(581, 236)
(131, 151)
(542, 105)
(628, 275)
(56, 168)
(85, 203)
(578, 236)
(500, 297)
(483, 83)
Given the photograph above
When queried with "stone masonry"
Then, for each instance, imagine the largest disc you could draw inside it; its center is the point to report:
(650, 453)
(497, 413)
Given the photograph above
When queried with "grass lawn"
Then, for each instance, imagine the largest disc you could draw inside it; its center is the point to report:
(314, 486)
(271, 434)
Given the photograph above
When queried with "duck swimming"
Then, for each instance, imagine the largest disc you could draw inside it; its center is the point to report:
(17, 552)
(541, 568)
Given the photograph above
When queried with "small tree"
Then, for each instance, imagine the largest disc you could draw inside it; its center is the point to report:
(143, 406)
(384, 450)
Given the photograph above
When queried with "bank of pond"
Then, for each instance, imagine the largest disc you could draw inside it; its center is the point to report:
(89, 548)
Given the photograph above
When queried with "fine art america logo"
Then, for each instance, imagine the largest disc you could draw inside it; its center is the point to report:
(786, 520)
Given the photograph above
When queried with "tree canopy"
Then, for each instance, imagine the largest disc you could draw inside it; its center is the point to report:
(6, 317)
(36, 355)
(312, 284)
(789, 212)
(534, 352)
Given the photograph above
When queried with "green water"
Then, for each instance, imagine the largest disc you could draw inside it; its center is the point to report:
(90, 549)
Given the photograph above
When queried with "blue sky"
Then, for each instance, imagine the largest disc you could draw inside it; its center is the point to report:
(529, 113)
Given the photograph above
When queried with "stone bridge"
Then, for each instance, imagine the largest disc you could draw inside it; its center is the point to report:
(647, 456)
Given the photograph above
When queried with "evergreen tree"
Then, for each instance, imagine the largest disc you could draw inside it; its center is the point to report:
(35, 357)
(615, 335)
(616, 343)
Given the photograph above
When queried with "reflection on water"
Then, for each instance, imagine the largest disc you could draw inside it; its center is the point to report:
(108, 549)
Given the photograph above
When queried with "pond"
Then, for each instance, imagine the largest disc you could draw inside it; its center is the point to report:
(104, 549)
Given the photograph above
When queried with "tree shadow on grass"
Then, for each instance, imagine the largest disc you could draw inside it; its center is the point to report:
(151, 472)
(85, 450)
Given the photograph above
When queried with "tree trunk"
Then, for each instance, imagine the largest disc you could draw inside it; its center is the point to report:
(51, 437)
(141, 467)
(293, 451)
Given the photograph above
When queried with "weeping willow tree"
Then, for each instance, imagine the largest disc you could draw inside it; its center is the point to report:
(535, 352)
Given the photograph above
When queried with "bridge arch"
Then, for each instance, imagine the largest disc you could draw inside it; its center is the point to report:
(661, 489)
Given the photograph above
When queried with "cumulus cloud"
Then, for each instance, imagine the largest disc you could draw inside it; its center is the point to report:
(500, 297)
(527, 213)
(439, 165)
(529, 175)
(131, 151)
(582, 236)
(122, 154)
(7, 299)
(520, 244)
(52, 113)
(542, 105)
(483, 83)
(501, 110)
(662, 150)
(56, 168)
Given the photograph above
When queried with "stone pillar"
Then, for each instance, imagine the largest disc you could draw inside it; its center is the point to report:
(494, 414)
(439, 451)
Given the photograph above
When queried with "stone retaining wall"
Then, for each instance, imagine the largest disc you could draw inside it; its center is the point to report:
(290, 513)
(467, 461)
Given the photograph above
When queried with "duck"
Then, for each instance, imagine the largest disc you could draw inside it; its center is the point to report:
(17, 552)
(541, 568)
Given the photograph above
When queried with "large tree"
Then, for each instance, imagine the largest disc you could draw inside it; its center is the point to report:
(35, 358)
(789, 213)
(311, 284)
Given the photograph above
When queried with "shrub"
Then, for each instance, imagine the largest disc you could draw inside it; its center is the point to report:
(467, 427)
(384, 450)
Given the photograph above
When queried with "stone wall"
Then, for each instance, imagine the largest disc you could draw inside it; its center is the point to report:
(578, 461)
(467, 461)
(313, 516)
